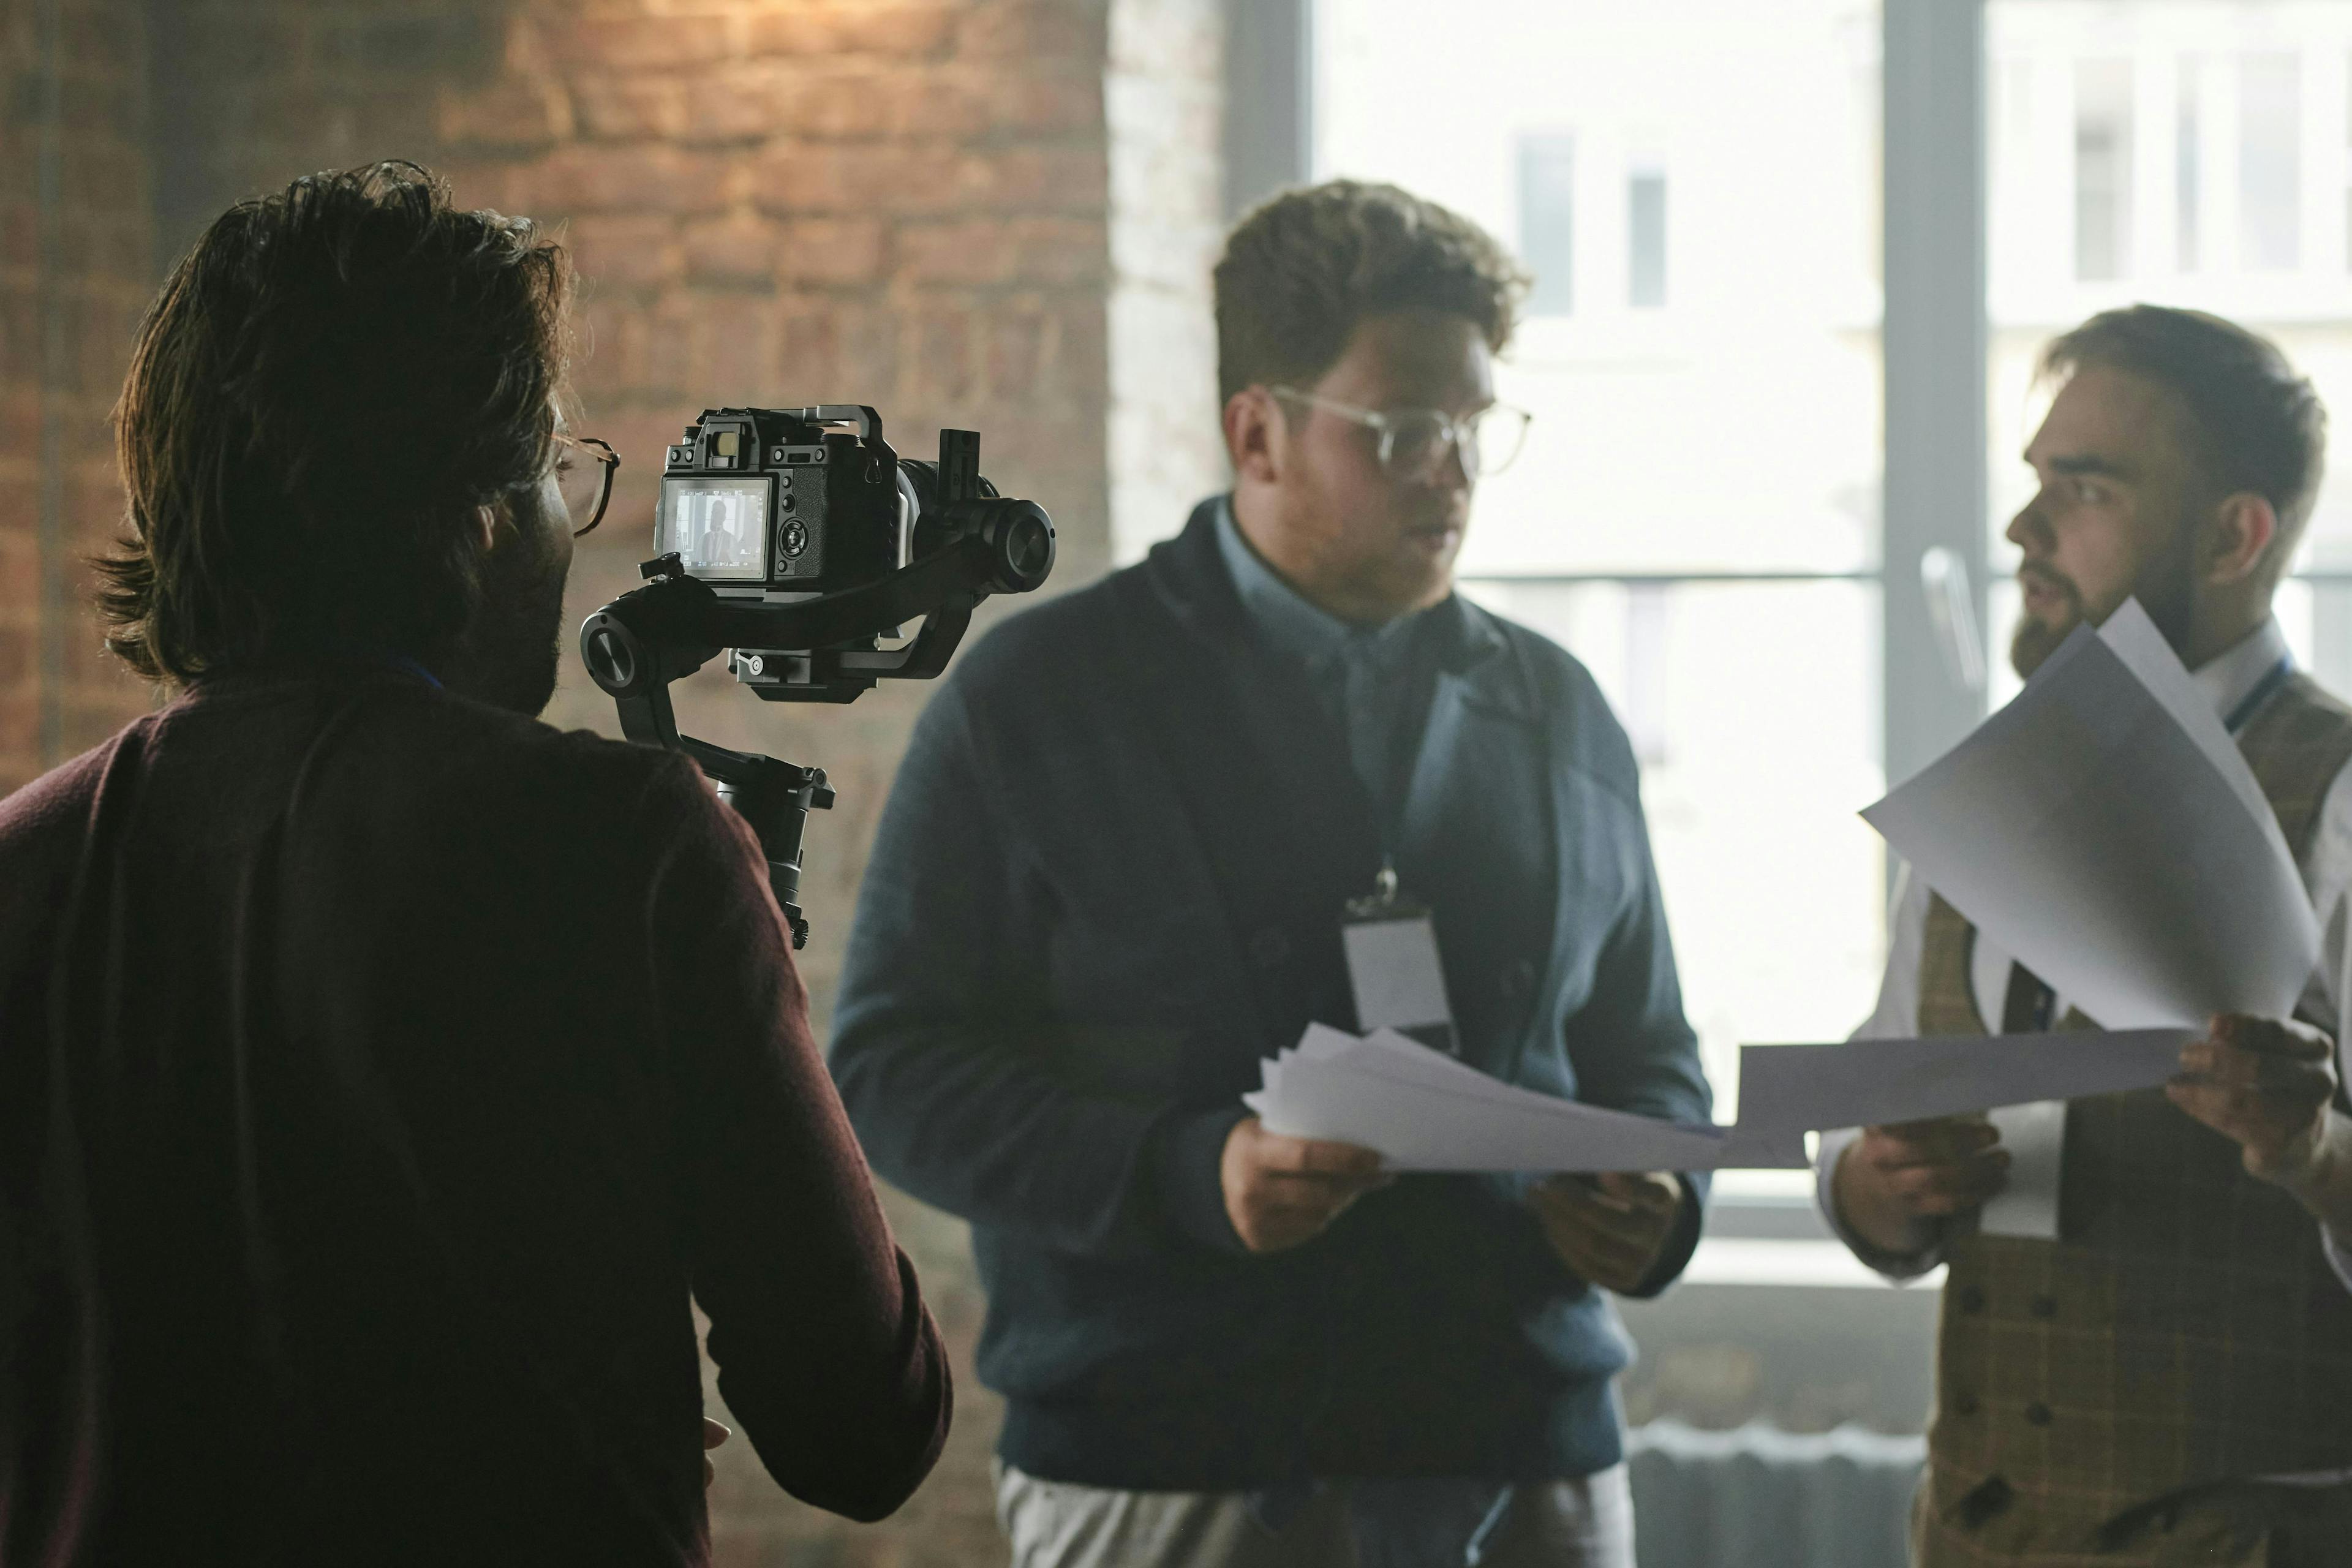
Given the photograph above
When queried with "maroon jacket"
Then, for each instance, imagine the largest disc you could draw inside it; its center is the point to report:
(379, 1072)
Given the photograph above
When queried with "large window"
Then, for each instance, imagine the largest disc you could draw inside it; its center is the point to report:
(1694, 184)
(2203, 149)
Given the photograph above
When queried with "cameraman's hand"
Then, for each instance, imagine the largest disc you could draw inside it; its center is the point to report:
(1891, 1178)
(1281, 1190)
(713, 1434)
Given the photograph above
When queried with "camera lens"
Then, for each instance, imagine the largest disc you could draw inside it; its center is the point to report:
(1023, 537)
(610, 658)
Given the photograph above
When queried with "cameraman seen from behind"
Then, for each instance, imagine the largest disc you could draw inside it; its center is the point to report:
(1111, 879)
(384, 1075)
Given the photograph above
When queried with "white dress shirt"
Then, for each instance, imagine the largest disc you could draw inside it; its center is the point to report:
(2327, 869)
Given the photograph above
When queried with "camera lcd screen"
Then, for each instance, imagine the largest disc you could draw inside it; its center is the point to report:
(718, 527)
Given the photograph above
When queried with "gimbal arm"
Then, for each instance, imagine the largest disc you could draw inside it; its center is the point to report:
(635, 646)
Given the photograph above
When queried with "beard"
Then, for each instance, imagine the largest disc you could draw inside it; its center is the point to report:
(510, 654)
(2165, 590)
(2035, 640)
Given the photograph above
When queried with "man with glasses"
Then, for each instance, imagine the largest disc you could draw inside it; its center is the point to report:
(384, 1077)
(1112, 878)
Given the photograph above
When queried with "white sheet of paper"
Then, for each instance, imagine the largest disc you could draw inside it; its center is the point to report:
(2092, 828)
(1425, 1112)
(1865, 1083)
(2035, 1137)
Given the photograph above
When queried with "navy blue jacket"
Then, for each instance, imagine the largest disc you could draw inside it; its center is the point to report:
(1108, 882)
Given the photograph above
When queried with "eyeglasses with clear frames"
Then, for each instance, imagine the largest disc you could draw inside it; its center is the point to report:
(584, 472)
(1415, 442)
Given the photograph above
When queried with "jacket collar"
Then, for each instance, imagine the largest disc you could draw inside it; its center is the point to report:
(1192, 571)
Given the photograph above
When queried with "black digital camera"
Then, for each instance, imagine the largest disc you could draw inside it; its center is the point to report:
(775, 506)
(796, 541)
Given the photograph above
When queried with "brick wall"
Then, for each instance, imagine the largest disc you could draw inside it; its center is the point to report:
(905, 202)
(75, 269)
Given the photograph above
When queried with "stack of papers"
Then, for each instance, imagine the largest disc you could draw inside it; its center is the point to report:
(1423, 1110)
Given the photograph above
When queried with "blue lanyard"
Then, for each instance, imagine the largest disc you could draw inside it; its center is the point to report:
(407, 666)
(2252, 702)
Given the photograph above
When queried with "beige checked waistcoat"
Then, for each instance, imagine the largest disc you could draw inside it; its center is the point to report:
(2186, 1328)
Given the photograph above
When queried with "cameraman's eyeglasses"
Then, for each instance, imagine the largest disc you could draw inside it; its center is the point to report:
(584, 472)
(1415, 442)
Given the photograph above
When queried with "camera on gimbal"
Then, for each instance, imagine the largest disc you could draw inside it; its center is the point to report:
(797, 540)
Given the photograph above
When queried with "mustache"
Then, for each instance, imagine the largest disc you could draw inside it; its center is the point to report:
(2034, 573)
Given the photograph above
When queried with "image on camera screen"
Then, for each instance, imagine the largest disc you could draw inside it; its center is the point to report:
(718, 527)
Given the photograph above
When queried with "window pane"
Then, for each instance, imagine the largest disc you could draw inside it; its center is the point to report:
(2270, 160)
(1755, 708)
(1547, 221)
(1727, 154)
(2244, 209)
(1647, 251)
(2103, 168)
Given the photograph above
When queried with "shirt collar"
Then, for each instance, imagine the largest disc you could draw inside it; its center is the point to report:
(1305, 631)
(2231, 676)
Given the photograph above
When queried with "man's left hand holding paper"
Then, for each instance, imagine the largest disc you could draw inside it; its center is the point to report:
(2270, 1085)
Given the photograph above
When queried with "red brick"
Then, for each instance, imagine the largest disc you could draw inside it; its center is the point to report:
(20, 732)
(836, 27)
(629, 108)
(93, 515)
(829, 351)
(500, 184)
(1016, 350)
(733, 251)
(734, 339)
(20, 414)
(846, 105)
(629, 179)
(945, 368)
(19, 234)
(612, 341)
(1022, 33)
(640, 43)
(1049, 179)
(20, 549)
(623, 250)
(1014, 250)
(1053, 105)
(741, 103)
(832, 251)
(864, 178)
(508, 116)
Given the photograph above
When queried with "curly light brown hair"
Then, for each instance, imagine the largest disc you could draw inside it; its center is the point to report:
(329, 385)
(1301, 271)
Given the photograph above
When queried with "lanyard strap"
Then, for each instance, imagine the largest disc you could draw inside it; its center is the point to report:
(2252, 702)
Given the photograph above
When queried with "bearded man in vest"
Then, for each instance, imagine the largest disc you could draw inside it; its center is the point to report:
(2140, 1389)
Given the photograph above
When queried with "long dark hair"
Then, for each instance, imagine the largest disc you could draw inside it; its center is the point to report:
(329, 385)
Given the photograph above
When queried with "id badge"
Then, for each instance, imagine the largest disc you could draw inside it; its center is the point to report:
(1391, 948)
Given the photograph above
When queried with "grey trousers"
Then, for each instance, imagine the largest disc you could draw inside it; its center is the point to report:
(1584, 1523)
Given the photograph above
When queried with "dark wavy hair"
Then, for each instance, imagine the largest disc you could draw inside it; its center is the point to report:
(2258, 423)
(1302, 270)
(329, 385)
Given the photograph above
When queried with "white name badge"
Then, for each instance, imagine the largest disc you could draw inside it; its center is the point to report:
(1393, 970)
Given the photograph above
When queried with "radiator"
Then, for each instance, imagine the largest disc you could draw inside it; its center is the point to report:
(1761, 1498)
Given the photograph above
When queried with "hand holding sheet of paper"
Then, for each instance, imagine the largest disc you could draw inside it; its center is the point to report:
(1425, 1112)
